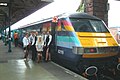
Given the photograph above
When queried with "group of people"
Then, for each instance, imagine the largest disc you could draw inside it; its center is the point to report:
(38, 44)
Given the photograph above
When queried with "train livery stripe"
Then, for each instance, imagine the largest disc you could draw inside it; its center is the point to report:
(68, 42)
(98, 55)
(68, 24)
(59, 26)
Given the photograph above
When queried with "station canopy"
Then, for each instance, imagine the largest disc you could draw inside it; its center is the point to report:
(18, 9)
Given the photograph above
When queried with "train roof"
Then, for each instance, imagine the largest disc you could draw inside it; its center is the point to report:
(83, 16)
(64, 15)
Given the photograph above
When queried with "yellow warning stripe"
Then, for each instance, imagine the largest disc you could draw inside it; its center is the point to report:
(98, 55)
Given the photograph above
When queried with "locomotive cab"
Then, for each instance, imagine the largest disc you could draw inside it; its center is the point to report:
(84, 41)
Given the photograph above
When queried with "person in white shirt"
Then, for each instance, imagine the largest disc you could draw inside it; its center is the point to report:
(39, 48)
(32, 38)
(25, 45)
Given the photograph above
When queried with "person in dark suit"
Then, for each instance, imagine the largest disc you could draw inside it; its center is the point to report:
(44, 36)
(33, 39)
(48, 44)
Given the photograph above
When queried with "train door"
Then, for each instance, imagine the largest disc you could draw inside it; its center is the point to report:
(57, 29)
(62, 42)
(54, 55)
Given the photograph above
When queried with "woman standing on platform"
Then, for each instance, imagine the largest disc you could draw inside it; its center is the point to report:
(39, 48)
(48, 44)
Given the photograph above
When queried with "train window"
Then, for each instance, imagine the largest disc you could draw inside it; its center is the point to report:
(46, 26)
(58, 28)
(84, 28)
(82, 25)
(98, 26)
(86, 25)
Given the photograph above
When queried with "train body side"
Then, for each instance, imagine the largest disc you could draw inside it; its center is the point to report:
(80, 41)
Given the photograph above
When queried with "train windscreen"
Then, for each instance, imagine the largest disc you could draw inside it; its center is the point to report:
(85, 25)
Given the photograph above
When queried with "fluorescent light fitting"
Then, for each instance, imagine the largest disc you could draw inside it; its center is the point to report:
(3, 4)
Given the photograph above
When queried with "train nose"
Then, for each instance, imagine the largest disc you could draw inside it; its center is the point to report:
(92, 70)
(118, 66)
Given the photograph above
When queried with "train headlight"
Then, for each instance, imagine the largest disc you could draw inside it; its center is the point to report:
(78, 50)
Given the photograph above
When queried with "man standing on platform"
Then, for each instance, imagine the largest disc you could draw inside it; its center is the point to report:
(32, 40)
(44, 36)
(16, 39)
(25, 45)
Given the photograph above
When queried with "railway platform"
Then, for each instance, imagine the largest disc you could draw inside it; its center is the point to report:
(13, 67)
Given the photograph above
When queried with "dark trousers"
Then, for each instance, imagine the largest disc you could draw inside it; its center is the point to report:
(34, 52)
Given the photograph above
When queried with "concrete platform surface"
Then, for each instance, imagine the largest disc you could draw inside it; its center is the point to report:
(14, 67)
(23, 70)
(17, 52)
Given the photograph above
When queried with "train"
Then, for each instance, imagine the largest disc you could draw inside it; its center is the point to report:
(81, 43)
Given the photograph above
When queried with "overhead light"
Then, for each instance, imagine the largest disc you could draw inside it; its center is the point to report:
(48, 0)
(3, 4)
